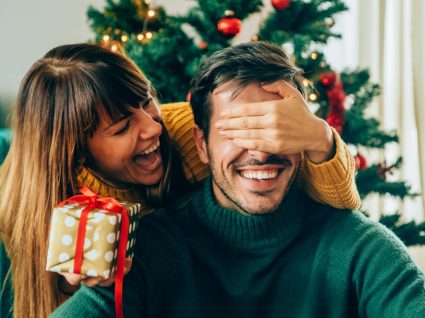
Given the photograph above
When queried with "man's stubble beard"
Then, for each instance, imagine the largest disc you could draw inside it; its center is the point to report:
(226, 189)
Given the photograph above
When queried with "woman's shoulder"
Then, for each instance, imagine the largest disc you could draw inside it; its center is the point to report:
(172, 111)
(178, 120)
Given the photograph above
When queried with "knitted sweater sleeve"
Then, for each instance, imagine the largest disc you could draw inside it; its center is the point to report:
(331, 182)
(387, 281)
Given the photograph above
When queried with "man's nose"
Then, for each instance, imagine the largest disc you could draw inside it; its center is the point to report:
(259, 155)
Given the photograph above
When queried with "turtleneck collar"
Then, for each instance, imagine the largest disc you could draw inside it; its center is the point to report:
(86, 177)
(250, 231)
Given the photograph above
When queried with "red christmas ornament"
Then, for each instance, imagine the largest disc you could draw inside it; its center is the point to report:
(229, 26)
(336, 98)
(328, 79)
(360, 162)
(281, 4)
(203, 45)
(336, 121)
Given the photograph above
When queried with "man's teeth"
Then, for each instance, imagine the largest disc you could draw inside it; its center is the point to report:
(150, 149)
(259, 175)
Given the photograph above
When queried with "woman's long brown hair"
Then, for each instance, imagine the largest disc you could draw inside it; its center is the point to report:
(56, 110)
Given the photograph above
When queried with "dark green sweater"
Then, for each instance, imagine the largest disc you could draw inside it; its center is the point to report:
(304, 260)
(6, 295)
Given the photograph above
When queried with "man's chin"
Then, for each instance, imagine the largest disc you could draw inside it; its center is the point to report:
(260, 204)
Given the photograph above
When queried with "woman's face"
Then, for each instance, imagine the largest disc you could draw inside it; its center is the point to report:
(127, 151)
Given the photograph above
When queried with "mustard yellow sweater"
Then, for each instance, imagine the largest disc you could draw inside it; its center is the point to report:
(331, 182)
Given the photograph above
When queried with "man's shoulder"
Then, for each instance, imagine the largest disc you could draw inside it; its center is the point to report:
(351, 227)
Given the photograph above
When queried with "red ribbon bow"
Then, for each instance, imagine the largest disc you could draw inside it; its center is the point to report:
(110, 205)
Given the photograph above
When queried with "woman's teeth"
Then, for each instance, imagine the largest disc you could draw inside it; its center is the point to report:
(150, 149)
(259, 175)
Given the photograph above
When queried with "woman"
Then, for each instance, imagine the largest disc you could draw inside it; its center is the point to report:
(85, 115)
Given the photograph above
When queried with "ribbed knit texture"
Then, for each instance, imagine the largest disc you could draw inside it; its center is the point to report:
(178, 118)
(305, 260)
(256, 231)
(87, 178)
(330, 182)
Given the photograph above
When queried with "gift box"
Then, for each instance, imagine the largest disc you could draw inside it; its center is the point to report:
(98, 241)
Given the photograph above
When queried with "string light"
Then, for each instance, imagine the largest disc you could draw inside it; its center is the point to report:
(148, 35)
(151, 13)
(124, 38)
(314, 56)
(140, 36)
(306, 83)
(117, 31)
(312, 97)
(106, 38)
(114, 48)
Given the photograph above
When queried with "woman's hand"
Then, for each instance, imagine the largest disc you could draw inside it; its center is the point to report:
(76, 280)
(284, 126)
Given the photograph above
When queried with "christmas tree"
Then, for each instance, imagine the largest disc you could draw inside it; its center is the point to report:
(170, 48)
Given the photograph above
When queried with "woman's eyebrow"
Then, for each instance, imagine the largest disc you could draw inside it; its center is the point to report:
(147, 101)
(115, 122)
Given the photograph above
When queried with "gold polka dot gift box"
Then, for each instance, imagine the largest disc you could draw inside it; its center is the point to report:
(86, 233)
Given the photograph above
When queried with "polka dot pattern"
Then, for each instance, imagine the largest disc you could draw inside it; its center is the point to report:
(100, 243)
(70, 221)
(63, 257)
(109, 256)
(66, 240)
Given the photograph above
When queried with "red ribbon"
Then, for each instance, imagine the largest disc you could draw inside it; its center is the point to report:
(110, 205)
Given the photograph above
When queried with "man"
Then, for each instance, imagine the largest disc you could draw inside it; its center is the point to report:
(249, 244)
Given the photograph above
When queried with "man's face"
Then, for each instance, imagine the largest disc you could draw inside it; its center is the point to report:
(251, 182)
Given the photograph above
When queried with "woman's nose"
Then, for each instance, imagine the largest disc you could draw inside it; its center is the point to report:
(149, 127)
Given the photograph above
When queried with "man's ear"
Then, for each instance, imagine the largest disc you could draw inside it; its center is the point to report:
(201, 144)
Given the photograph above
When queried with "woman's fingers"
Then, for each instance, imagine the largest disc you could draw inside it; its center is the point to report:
(241, 123)
(73, 279)
(255, 144)
(283, 88)
(250, 109)
(76, 279)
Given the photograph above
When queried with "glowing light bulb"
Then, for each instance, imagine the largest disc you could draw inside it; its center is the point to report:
(151, 13)
(106, 38)
(312, 97)
(140, 36)
(314, 56)
(124, 38)
(149, 35)
(114, 48)
(305, 83)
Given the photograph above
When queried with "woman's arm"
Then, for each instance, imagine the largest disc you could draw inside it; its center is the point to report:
(327, 171)
(331, 182)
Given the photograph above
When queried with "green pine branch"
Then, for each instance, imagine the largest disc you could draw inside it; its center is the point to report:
(410, 233)
(302, 23)
(372, 180)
